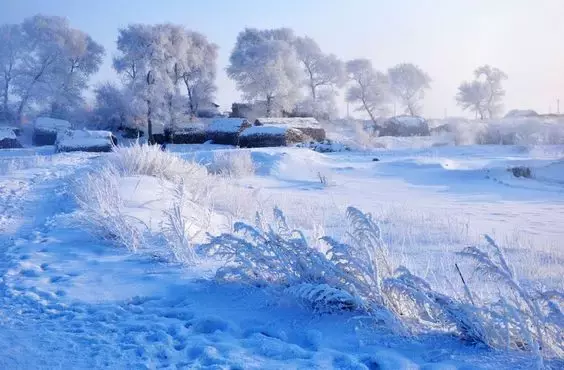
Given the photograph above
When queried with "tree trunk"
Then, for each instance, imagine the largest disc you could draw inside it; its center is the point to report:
(368, 111)
(149, 124)
(5, 100)
(268, 105)
(191, 104)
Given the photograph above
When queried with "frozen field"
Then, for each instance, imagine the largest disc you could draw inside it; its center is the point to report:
(70, 299)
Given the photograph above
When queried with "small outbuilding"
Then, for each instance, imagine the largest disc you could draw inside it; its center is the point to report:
(85, 141)
(189, 133)
(271, 135)
(307, 125)
(45, 130)
(226, 131)
(8, 138)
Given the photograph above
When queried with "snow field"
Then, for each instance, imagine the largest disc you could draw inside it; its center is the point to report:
(147, 310)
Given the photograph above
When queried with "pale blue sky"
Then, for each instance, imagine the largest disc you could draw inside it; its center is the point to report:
(447, 38)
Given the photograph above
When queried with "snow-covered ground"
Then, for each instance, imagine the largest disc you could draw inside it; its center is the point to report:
(70, 299)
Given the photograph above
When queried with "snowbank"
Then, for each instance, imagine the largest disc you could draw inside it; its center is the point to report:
(521, 113)
(45, 130)
(553, 173)
(85, 141)
(325, 146)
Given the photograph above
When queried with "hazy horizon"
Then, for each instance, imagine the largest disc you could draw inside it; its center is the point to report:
(446, 39)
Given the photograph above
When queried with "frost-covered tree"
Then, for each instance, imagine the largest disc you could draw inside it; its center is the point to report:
(324, 73)
(483, 95)
(472, 96)
(156, 61)
(112, 109)
(142, 62)
(265, 66)
(81, 57)
(369, 88)
(47, 64)
(492, 78)
(408, 83)
(11, 50)
(198, 65)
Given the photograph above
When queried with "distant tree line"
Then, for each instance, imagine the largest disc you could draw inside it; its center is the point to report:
(168, 72)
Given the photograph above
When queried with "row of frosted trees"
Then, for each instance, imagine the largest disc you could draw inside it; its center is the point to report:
(168, 72)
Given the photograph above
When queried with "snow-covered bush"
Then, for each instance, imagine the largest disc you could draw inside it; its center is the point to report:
(177, 226)
(345, 276)
(234, 163)
(356, 275)
(98, 196)
(525, 319)
(150, 160)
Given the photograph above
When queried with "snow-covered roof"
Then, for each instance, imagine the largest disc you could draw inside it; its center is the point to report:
(521, 113)
(51, 124)
(84, 139)
(7, 133)
(230, 125)
(265, 130)
(297, 122)
(408, 120)
(189, 126)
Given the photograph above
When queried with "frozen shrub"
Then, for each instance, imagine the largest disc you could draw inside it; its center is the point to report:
(527, 316)
(177, 226)
(150, 160)
(345, 276)
(102, 210)
(233, 163)
(356, 275)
